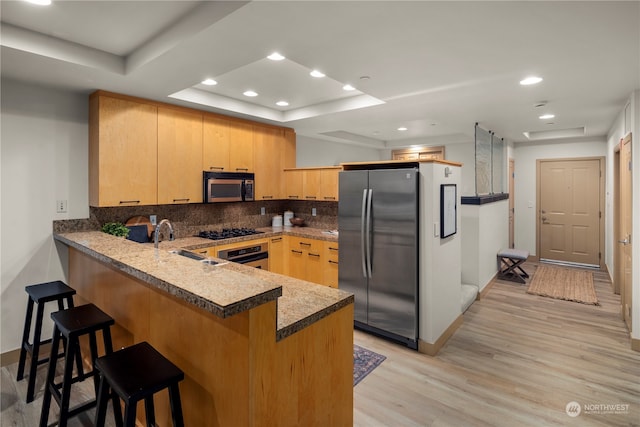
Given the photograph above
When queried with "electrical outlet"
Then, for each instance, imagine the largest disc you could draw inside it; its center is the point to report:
(263, 211)
(313, 212)
(61, 206)
(153, 219)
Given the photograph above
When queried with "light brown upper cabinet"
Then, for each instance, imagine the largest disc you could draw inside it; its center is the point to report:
(228, 145)
(310, 184)
(293, 184)
(144, 152)
(419, 153)
(329, 184)
(274, 149)
(123, 152)
(179, 156)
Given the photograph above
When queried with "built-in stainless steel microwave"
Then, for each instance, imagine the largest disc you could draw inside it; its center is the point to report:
(228, 187)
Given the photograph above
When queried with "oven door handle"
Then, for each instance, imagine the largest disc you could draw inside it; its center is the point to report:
(249, 258)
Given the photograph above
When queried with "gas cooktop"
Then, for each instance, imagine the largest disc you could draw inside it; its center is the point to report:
(227, 233)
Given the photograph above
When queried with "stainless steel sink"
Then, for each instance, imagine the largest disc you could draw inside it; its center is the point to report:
(192, 255)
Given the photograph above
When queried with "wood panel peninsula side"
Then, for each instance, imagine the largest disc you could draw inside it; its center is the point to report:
(257, 348)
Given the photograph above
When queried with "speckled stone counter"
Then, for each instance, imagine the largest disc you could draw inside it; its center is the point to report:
(224, 289)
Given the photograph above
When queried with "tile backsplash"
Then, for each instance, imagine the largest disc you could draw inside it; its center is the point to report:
(188, 219)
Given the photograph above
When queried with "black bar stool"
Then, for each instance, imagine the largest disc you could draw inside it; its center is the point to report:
(136, 373)
(71, 324)
(40, 294)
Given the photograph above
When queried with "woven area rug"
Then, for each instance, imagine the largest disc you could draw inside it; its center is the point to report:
(564, 283)
(364, 361)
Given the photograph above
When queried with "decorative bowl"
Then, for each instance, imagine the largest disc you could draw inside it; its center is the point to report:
(297, 221)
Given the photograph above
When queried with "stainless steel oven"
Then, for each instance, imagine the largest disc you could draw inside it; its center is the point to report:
(253, 255)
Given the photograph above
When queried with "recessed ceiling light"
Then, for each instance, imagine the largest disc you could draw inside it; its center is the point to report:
(316, 73)
(546, 116)
(275, 56)
(348, 87)
(250, 93)
(402, 129)
(209, 82)
(530, 81)
(39, 2)
(282, 103)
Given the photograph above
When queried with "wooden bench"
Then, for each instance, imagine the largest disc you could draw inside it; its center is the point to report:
(510, 265)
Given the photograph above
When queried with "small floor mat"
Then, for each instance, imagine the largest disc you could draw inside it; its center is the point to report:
(564, 283)
(364, 361)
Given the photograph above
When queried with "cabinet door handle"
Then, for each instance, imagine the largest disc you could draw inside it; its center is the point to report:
(314, 255)
(220, 168)
(242, 169)
(294, 197)
(181, 200)
(276, 239)
(329, 198)
(310, 197)
(333, 262)
(267, 197)
(129, 202)
(333, 249)
(305, 244)
(296, 252)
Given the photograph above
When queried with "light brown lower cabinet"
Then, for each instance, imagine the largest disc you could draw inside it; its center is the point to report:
(276, 254)
(312, 260)
(330, 268)
(302, 258)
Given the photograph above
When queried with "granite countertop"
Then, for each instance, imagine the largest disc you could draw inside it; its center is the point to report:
(224, 289)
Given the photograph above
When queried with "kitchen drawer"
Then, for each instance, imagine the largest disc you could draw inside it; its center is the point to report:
(330, 268)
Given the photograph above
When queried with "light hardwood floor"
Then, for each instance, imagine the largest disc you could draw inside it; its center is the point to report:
(517, 360)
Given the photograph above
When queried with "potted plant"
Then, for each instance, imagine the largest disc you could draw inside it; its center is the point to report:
(116, 229)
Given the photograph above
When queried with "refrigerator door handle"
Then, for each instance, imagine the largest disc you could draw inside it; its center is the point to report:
(368, 233)
(363, 242)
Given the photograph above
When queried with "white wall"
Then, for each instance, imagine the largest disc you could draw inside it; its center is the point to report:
(317, 152)
(44, 159)
(525, 156)
(485, 233)
(440, 287)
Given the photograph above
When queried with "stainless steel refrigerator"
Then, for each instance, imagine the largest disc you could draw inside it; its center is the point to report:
(378, 257)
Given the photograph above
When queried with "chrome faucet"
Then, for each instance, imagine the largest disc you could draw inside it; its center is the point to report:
(157, 232)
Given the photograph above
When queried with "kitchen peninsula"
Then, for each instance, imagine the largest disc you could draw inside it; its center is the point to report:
(257, 348)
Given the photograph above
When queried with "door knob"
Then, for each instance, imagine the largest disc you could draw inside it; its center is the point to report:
(624, 242)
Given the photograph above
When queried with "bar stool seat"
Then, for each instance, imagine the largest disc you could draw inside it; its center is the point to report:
(510, 265)
(136, 373)
(71, 324)
(40, 294)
